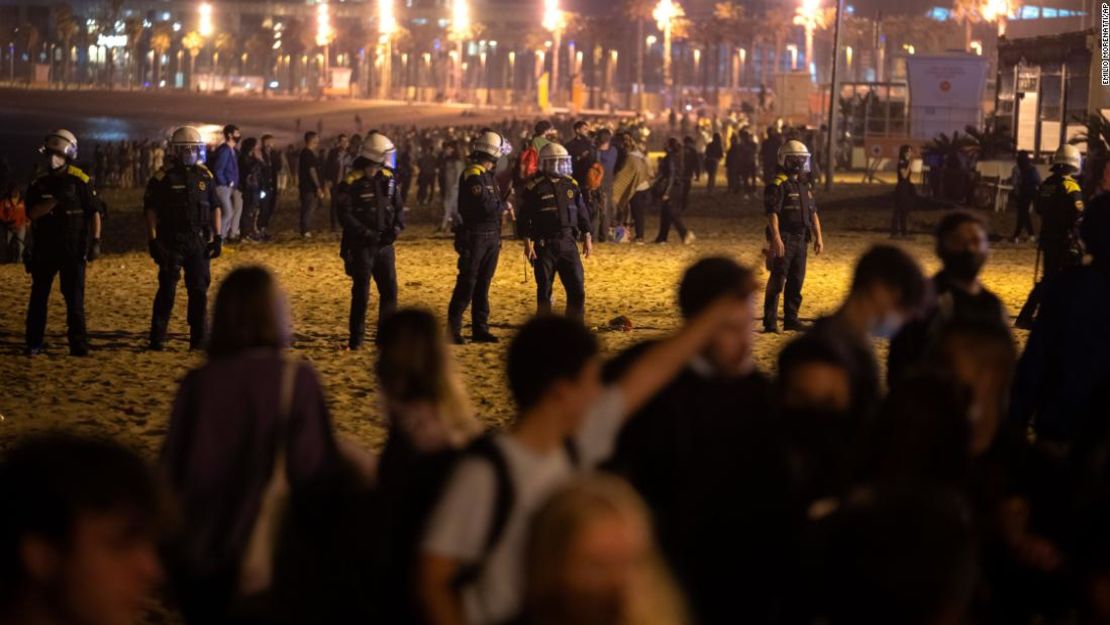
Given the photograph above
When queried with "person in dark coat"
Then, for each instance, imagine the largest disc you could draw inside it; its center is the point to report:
(714, 152)
(230, 418)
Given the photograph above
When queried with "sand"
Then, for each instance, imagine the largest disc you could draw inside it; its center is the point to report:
(124, 391)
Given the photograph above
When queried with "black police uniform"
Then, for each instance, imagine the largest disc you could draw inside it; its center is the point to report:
(792, 200)
(478, 242)
(552, 216)
(60, 247)
(1059, 203)
(182, 198)
(370, 210)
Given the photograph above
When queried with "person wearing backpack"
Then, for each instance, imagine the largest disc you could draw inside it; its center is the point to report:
(471, 567)
(587, 171)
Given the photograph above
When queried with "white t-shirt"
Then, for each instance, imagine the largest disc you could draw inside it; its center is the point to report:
(460, 524)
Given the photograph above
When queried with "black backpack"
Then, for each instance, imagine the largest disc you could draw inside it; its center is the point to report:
(485, 447)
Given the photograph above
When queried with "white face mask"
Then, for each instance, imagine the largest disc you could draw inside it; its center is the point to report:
(888, 326)
(57, 162)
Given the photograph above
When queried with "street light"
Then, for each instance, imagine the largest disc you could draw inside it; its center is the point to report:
(977, 47)
(460, 30)
(810, 17)
(553, 20)
(793, 50)
(324, 33)
(204, 27)
(665, 13)
(387, 27)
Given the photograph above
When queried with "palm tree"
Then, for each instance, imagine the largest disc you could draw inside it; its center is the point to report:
(639, 11)
(778, 25)
(1097, 135)
(192, 42)
(223, 47)
(990, 143)
(133, 29)
(65, 29)
(161, 38)
(28, 38)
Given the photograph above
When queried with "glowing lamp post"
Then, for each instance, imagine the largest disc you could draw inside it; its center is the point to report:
(324, 33)
(553, 21)
(810, 17)
(665, 13)
(793, 50)
(459, 31)
(204, 25)
(387, 27)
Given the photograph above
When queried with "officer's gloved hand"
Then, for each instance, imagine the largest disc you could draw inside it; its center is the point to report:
(389, 236)
(215, 247)
(157, 252)
(94, 251)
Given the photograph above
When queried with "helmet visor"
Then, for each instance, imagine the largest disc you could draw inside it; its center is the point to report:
(389, 159)
(559, 166)
(796, 163)
(190, 154)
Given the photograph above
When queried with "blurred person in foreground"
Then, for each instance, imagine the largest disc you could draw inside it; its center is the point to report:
(430, 422)
(78, 537)
(958, 295)
(248, 412)
(1066, 363)
(471, 568)
(887, 289)
(591, 560)
(712, 424)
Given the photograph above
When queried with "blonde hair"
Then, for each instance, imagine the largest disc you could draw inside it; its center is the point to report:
(415, 365)
(559, 522)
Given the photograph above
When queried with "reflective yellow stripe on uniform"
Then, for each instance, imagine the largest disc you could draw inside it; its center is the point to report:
(354, 175)
(473, 170)
(779, 179)
(1071, 186)
(204, 170)
(77, 173)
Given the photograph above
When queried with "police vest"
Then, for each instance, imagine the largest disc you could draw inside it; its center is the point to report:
(371, 199)
(796, 205)
(67, 223)
(479, 200)
(1060, 207)
(181, 200)
(553, 208)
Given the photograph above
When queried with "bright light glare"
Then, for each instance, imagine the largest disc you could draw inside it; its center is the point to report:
(460, 19)
(205, 27)
(324, 32)
(666, 12)
(552, 16)
(387, 22)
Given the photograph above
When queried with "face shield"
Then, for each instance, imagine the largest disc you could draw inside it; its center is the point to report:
(796, 163)
(390, 159)
(559, 166)
(190, 154)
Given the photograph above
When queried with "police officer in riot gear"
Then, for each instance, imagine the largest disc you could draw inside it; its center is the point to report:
(552, 218)
(792, 222)
(183, 217)
(65, 215)
(369, 206)
(1059, 203)
(478, 237)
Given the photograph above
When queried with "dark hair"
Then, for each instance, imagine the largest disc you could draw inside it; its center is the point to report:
(897, 554)
(48, 481)
(248, 146)
(904, 151)
(546, 350)
(952, 222)
(542, 127)
(603, 135)
(1023, 159)
(246, 315)
(1094, 230)
(410, 355)
(309, 136)
(810, 349)
(709, 279)
(580, 123)
(891, 267)
(341, 136)
(230, 130)
(922, 431)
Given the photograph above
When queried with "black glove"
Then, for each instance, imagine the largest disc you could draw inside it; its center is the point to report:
(27, 259)
(388, 237)
(157, 252)
(215, 247)
(94, 251)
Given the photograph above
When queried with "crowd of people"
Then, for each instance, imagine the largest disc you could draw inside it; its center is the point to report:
(674, 483)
